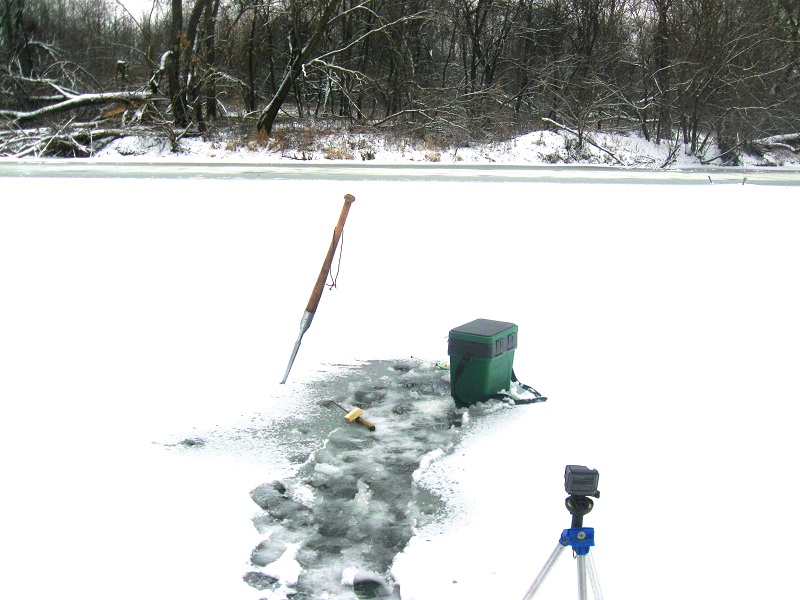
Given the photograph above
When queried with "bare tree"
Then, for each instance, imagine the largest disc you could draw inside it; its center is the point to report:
(14, 36)
(177, 95)
(301, 53)
(726, 71)
(662, 70)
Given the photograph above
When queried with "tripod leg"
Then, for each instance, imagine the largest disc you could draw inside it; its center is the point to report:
(582, 577)
(545, 570)
(598, 594)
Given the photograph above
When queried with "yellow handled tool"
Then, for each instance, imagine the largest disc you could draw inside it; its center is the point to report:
(352, 415)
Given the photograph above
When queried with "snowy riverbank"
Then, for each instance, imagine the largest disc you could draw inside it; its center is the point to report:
(537, 148)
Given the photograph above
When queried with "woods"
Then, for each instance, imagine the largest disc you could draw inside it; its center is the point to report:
(457, 71)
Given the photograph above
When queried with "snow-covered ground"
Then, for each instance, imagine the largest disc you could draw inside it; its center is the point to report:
(536, 148)
(661, 322)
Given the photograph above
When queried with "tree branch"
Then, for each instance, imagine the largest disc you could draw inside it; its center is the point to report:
(74, 103)
(584, 136)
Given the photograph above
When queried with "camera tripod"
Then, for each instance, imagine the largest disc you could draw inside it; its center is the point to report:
(581, 539)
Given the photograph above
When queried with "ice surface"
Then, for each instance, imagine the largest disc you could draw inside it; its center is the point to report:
(661, 321)
(364, 503)
(364, 507)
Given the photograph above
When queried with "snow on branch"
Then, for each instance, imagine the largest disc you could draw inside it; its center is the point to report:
(789, 141)
(75, 102)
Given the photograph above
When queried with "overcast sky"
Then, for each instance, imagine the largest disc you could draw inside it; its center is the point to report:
(135, 7)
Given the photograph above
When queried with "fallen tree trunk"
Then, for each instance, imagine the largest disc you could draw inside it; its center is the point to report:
(74, 103)
(789, 141)
(76, 140)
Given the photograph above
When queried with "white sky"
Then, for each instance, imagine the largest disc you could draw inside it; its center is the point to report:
(136, 7)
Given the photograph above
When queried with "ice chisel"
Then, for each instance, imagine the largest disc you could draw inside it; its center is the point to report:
(316, 294)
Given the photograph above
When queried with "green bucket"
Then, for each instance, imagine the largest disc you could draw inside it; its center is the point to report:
(481, 360)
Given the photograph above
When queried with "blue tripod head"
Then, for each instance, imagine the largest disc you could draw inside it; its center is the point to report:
(580, 482)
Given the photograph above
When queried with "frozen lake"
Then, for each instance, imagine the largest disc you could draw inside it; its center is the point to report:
(137, 313)
(143, 167)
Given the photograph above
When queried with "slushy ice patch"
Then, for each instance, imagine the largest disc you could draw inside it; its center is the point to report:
(333, 529)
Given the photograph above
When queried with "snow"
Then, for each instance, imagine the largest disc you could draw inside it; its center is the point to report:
(535, 148)
(286, 569)
(661, 322)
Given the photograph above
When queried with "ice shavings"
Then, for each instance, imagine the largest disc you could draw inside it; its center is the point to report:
(286, 570)
(360, 504)
(302, 493)
(365, 494)
(328, 469)
(426, 461)
(349, 575)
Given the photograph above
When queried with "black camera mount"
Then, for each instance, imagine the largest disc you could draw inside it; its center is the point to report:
(580, 482)
(578, 507)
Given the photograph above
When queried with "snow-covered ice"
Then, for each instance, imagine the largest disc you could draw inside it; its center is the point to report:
(144, 325)
(363, 506)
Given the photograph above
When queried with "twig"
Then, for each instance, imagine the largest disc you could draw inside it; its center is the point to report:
(728, 151)
(673, 152)
(125, 8)
(586, 137)
(60, 131)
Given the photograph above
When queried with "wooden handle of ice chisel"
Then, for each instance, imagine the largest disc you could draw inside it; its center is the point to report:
(316, 294)
(366, 423)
